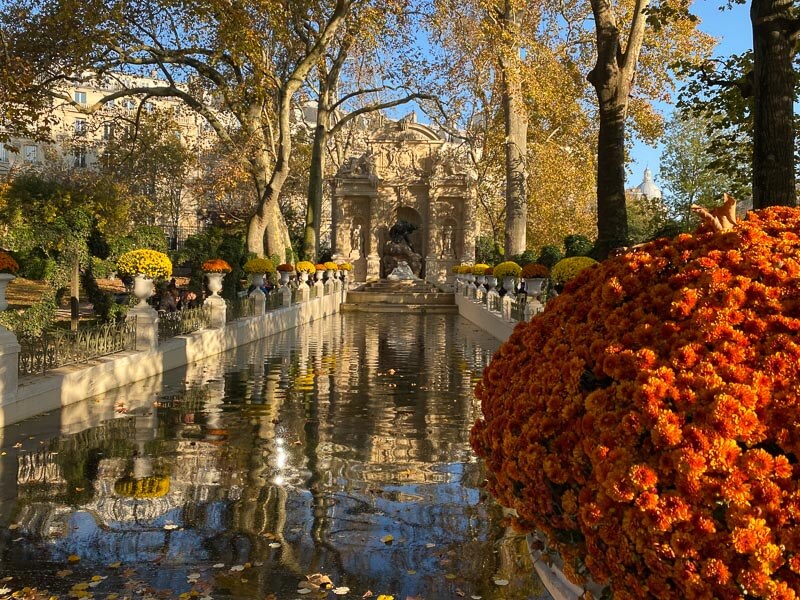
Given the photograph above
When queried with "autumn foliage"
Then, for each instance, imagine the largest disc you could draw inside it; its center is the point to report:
(647, 421)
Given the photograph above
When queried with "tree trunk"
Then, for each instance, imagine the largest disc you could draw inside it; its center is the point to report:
(773, 104)
(612, 78)
(75, 286)
(516, 129)
(316, 177)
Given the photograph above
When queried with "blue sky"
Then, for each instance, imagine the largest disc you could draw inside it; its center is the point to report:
(732, 29)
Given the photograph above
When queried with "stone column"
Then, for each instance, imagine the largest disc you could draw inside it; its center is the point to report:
(470, 223)
(373, 257)
(9, 361)
(218, 311)
(146, 327)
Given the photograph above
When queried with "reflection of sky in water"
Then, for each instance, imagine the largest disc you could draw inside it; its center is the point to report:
(293, 455)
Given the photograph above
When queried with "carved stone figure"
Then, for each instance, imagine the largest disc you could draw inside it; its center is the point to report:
(356, 241)
(447, 241)
(399, 249)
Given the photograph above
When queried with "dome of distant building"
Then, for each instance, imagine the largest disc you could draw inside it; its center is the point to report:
(648, 187)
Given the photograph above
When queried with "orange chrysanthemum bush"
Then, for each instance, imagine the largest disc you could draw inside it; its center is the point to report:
(648, 422)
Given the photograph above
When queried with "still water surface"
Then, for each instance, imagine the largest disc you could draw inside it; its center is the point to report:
(340, 448)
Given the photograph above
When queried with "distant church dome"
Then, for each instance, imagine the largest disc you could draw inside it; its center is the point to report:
(648, 187)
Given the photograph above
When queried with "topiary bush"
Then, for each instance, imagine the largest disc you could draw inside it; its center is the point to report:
(549, 256)
(577, 245)
(648, 421)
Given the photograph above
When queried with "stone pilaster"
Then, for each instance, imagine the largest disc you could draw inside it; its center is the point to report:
(146, 327)
(9, 361)
(218, 311)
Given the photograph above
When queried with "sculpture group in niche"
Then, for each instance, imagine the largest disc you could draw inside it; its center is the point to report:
(399, 249)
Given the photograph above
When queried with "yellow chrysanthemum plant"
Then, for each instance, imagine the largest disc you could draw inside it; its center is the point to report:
(148, 263)
(262, 266)
(568, 268)
(331, 266)
(507, 269)
(479, 269)
(345, 266)
(305, 266)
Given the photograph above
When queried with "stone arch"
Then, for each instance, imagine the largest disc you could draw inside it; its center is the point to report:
(417, 237)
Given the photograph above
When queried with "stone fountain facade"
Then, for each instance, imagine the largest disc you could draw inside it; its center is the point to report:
(407, 174)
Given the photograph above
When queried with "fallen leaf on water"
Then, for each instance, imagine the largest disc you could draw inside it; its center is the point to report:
(97, 578)
(79, 587)
(19, 539)
(460, 593)
(237, 568)
(449, 576)
(476, 597)
(367, 594)
(341, 591)
(18, 445)
(501, 581)
(430, 545)
(13, 526)
(385, 597)
(63, 573)
(192, 577)
(115, 565)
(113, 596)
(274, 545)
(411, 572)
(73, 558)
(218, 565)
(170, 526)
(3, 453)
(5, 590)
(304, 591)
(387, 539)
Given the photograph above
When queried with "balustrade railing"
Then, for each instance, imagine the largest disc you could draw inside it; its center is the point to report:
(54, 349)
(518, 307)
(239, 308)
(183, 321)
(274, 300)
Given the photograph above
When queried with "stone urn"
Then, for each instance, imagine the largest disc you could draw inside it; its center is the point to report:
(534, 286)
(318, 275)
(5, 279)
(303, 277)
(480, 280)
(330, 273)
(143, 288)
(256, 280)
(491, 281)
(285, 275)
(509, 284)
(215, 282)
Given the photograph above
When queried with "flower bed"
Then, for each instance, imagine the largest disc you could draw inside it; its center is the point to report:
(150, 263)
(646, 422)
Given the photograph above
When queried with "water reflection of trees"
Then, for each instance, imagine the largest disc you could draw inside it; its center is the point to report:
(321, 439)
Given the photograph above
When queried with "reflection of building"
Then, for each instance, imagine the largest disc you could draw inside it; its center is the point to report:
(408, 172)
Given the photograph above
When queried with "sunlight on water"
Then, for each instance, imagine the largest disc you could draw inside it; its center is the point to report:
(340, 448)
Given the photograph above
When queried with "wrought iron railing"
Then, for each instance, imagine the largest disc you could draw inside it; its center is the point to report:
(296, 295)
(55, 349)
(239, 308)
(275, 299)
(494, 302)
(518, 307)
(183, 321)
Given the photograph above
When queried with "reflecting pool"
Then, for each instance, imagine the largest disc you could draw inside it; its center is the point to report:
(339, 450)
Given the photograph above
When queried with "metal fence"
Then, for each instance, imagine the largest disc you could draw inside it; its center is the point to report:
(239, 308)
(494, 302)
(518, 307)
(183, 321)
(274, 299)
(55, 349)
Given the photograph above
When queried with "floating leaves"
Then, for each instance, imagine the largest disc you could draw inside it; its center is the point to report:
(73, 558)
(387, 539)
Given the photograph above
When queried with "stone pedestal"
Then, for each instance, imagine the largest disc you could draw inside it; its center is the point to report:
(218, 310)
(259, 300)
(373, 267)
(146, 326)
(9, 359)
(287, 295)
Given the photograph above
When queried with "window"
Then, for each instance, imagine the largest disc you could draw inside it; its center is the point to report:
(79, 157)
(80, 126)
(80, 98)
(30, 153)
(148, 106)
(3, 153)
(108, 130)
(129, 104)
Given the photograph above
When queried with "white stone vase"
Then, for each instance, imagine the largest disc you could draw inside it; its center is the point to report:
(509, 284)
(5, 279)
(143, 288)
(330, 273)
(481, 281)
(256, 280)
(318, 275)
(215, 282)
(491, 281)
(303, 277)
(285, 275)
(534, 285)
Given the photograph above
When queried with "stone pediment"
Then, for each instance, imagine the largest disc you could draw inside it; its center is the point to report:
(404, 131)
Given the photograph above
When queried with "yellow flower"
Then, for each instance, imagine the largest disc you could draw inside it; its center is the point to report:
(259, 265)
(507, 269)
(567, 268)
(305, 266)
(150, 263)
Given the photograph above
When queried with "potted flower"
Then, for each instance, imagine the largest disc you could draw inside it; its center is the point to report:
(330, 269)
(285, 271)
(257, 268)
(215, 269)
(320, 271)
(479, 270)
(534, 275)
(145, 266)
(305, 268)
(345, 268)
(491, 280)
(8, 271)
(508, 272)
